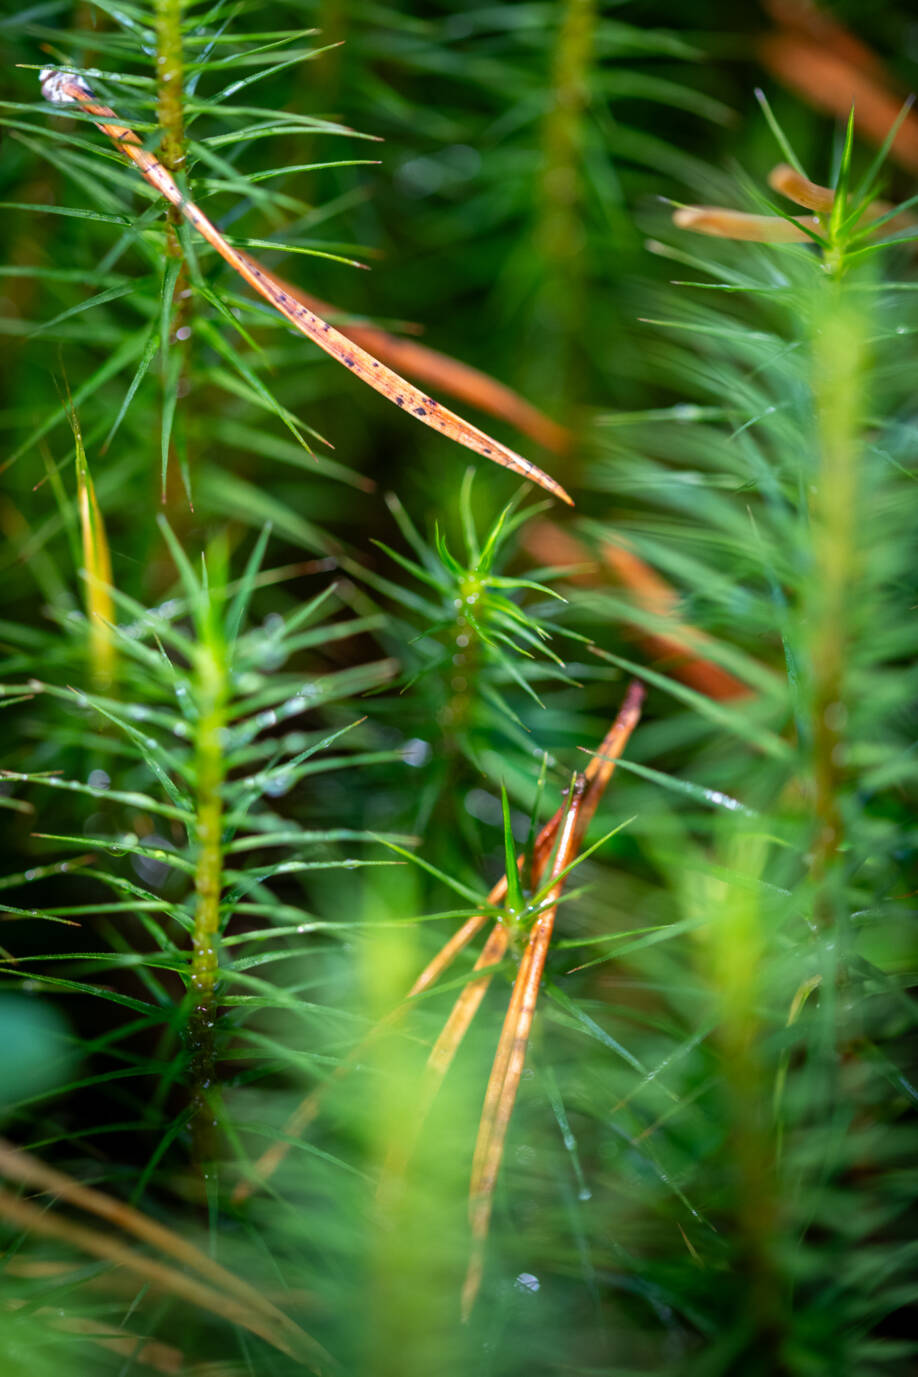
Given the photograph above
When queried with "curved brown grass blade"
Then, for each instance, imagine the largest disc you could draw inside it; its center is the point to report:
(20, 1166)
(62, 89)
(440, 370)
(135, 1347)
(36, 1220)
(597, 774)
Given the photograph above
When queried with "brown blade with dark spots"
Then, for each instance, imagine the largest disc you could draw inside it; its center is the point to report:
(61, 89)
(436, 369)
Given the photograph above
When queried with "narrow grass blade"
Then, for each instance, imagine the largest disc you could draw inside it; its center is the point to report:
(100, 609)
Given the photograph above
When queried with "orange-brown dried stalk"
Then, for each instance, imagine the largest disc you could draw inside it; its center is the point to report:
(510, 1058)
(214, 1288)
(63, 89)
(597, 775)
(819, 59)
(723, 223)
(569, 826)
(681, 647)
(459, 379)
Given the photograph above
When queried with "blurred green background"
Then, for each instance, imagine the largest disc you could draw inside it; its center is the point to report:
(710, 1164)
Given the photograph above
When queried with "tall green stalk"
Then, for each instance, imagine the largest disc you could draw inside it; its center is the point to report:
(211, 692)
(739, 958)
(170, 113)
(170, 110)
(560, 234)
(839, 361)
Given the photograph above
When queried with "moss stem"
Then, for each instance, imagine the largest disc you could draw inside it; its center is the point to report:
(212, 695)
(560, 231)
(169, 104)
(170, 112)
(838, 352)
(456, 716)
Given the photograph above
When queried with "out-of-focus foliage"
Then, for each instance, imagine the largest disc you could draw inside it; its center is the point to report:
(217, 722)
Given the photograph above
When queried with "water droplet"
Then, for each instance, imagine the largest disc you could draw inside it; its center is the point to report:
(153, 868)
(724, 800)
(277, 785)
(527, 1282)
(416, 752)
(98, 779)
(271, 655)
